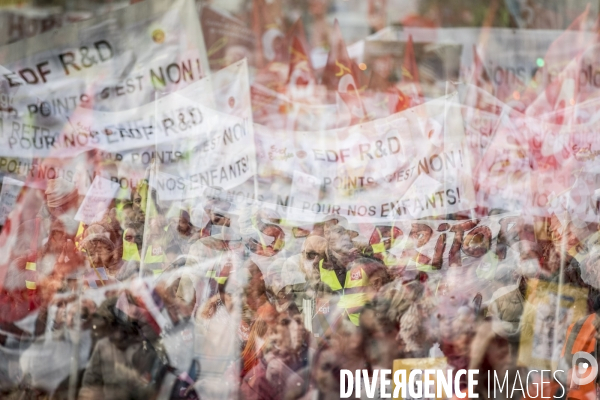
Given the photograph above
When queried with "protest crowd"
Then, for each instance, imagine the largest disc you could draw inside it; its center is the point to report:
(241, 199)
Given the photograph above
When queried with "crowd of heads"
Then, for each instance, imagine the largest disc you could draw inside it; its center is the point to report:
(210, 303)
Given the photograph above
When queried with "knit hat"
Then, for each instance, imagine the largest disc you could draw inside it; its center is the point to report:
(97, 232)
(59, 192)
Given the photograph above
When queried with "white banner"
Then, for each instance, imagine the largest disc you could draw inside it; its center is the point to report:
(112, 62)
(410, 165)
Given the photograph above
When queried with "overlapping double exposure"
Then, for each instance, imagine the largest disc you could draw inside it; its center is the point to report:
(241, 199)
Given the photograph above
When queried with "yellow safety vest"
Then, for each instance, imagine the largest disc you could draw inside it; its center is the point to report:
(379, 248)
(353, 295)
(79, 235)
(219, 279)
(31, 260)
(212, 273)
(277, 245)
(154, 255)
(31, 277)
(130, 251)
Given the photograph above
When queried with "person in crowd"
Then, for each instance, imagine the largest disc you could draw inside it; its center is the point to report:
(180, 229)
(136, 200)
(321, 380)
(277, 314)
(282, 353)
(44, 252)
(507, 306)
(215, 212)
(252, 351)
(300, 273)
(133, 240)
(491, 352)
(104, 248)
(380, 324)
(122, 365)
(335, 271)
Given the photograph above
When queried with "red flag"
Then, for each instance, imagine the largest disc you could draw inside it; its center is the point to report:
(301, 74)
(340, 80)
(339, 64)
(268, 28)
(297, 31)
(271, 44)
(383, 98)
(301, 81)
(362, 80)
(410, 74)
(410, 71)
(399, 101)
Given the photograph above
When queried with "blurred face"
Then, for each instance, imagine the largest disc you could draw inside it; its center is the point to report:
(88, 307)
(61, 315)
(218, 219)
(56, 241)
(327, 372)
(553, 261)
(137, 202)
(593, 265)
(340, 244)
(128, 213)
(272, 237)
(282, 340)
(376, 281)
(216, 215)
(121, 336)
(130, 235)
(313, 252)
(350, 337)
(100, 254)
(183, 226)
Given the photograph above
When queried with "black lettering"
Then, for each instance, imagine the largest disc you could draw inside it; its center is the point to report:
(28, 72)
(104, 49)
(43, 72)
(67, 59)
(168, 123)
